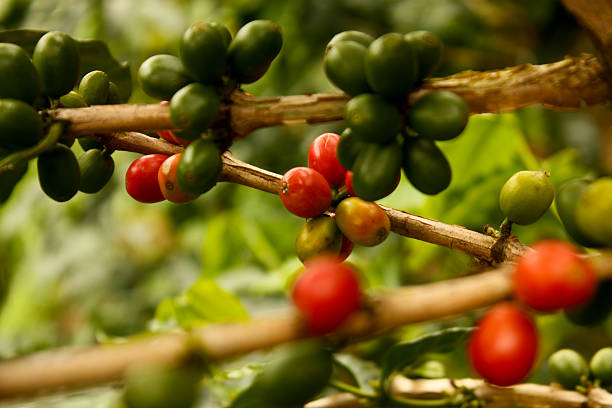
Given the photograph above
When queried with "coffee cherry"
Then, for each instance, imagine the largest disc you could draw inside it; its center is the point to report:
(601, 366)
(19, 77)
(161, 76)
(94, 87)
(344, 66)
(567, 368)
(425, 166)
(439, 115)
(566, 201)
(428, 49)
(97, 168)
(322, 156)
(326, 294)
(318, 236)
(194, 107)
(56, 58)
(203, 50)
(553, 276)
(141, 178)
(304, 192)
(352, 35)
(503, 347)
(373, 118)
(363, 222)
(58, 173)
(526, 196)
(199, 168)
(593, 212)
(20, 125)
(168, 182)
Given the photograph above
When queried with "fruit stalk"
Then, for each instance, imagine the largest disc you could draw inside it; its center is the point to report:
(564, 85)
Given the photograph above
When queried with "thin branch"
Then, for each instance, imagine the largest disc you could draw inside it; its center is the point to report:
(565, 84)
(86, 366)
(521, 394)
(413, 226)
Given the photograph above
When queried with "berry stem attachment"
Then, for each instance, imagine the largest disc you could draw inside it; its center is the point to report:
(56, 130)
(505, 227)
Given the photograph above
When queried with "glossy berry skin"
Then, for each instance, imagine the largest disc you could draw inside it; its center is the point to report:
(553, 276)
(323, 158)
(141, 178)
(326, 293)
(363, 222)
(503, 347)
(168, 183)
(348, 182)
(346, 248)
(305, 192)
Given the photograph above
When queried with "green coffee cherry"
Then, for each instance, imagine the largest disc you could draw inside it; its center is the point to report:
(114, 94)
(73, 100)
(96, 169)
(296, 373)
(376, 171)
(352, 35)
(162, 75)
(19, 77)
(439, 115)
(566, 201)
(58, 173)
(199, 168)
(567, 367)
(94, 87)
(203, 52)
(56, 58)
(601, 366)
(526, 196)
(253, 49)
(344, 65)
(593, 212)
(194, 107)
(20, 125)
(372, 118)
(425, 165)
(320, 235)
(225, 34)
(158, 385)
(349, 147)
(88, 144)
(428, 48)
(391, 66)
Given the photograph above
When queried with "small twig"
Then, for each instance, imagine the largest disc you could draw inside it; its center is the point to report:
(342, 386)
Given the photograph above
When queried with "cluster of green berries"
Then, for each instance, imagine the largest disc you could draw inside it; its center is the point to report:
(569, 369)
(48, 79)
(210, 63)
(384, 134)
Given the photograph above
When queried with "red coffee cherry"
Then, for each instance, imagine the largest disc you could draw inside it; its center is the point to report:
(346, 249)
(323, 158)
(503, 347)
(553, 276)
(141, 178)
(348, 182)
(326, 294)
(305, 192)
(168, 184)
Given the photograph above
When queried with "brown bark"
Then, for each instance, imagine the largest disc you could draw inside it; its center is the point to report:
(561, 85)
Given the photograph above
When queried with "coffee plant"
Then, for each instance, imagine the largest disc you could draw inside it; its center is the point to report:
(421, 138)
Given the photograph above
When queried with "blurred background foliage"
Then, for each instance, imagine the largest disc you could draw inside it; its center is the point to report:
(106, 266)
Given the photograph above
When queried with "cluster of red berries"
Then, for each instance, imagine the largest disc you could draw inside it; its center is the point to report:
(550, 276)
(307, 192)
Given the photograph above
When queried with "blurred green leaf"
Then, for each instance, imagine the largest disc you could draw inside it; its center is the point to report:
(204, 302)
(405, 354)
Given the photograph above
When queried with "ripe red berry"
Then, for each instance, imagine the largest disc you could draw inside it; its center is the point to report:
(553, 276)
(141, 178)
(323, 158)
(305, 192)
(326, 294)
(503, 347)
(348, 181)
(346, 249)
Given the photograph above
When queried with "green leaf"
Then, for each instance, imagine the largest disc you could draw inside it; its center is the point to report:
(407, 353)
(94, 55)
(205, 302)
